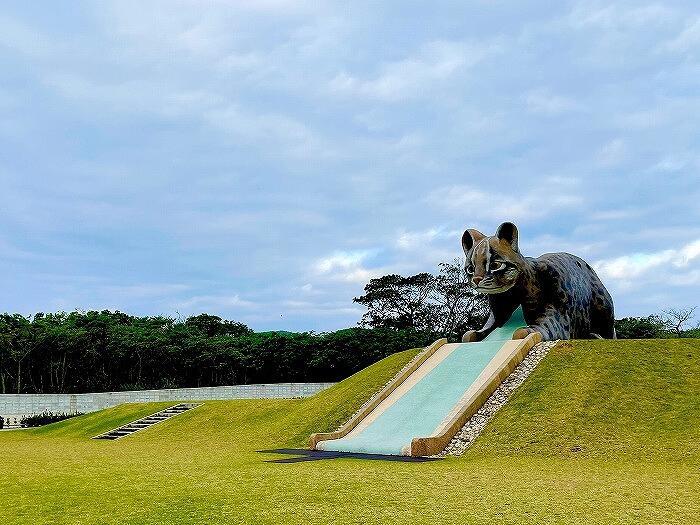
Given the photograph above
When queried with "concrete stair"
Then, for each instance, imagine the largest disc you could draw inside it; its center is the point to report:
(148, 421)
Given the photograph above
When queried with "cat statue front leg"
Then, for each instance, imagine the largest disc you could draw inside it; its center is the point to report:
(522, 333)
(499, 315)
(473, 336)
(550, 326)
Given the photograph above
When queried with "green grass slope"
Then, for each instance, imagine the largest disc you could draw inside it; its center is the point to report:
(609, 399)
(601, 432)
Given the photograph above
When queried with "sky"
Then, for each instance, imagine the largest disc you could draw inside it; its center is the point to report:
(260, 160)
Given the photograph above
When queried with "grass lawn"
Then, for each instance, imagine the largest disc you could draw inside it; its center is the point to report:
(601, 432)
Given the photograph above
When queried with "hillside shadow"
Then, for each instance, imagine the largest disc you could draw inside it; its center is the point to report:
(302, 455)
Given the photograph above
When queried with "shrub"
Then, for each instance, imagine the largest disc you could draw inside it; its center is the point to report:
(38, 420)
(651, 327)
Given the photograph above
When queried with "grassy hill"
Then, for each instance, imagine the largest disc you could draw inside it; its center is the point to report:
(601, 432)
(606, 399)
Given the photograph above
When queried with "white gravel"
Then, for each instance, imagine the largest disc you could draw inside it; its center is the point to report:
(476, 424)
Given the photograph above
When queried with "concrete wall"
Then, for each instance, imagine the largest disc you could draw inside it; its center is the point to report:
(16, 405)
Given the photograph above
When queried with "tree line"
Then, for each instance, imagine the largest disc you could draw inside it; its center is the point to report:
(670, 323)
(106, 351)
(93, 351)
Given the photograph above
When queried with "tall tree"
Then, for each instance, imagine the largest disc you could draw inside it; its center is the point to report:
(676, 319)
(442, 304)
(460, 308)
(398, 302)
(20, 342)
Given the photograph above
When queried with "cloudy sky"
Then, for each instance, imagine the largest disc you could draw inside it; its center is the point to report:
(262, 159)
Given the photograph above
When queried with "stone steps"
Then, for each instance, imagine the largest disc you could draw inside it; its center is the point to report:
(147, 421)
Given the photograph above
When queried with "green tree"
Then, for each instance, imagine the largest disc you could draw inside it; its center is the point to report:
(19, 343)
(650, 327)
(213, 325)
(398, 302)
(677, 318)
(443, 304)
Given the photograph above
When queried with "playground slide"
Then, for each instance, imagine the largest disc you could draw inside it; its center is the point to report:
(420, 410)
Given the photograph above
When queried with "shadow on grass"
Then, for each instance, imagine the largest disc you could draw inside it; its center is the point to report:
(302, 455)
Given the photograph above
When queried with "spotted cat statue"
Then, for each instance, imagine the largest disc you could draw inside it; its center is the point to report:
(561, 295)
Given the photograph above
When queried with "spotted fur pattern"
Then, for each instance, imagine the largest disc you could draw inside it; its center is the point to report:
(561, 295)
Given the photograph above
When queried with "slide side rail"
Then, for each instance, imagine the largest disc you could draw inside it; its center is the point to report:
(383, 394)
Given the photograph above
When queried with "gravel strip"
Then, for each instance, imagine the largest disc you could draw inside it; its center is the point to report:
(476, 424)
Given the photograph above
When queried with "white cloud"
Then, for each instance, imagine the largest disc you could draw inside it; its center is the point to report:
(12, 250)
(648, 118)
(671, 164)
(631, 266)
(612, 154)
(348, 266)
(133, 95)
(294, 306)
(666, 263)
(20, 37)
(618, 18)
(412, 240)
(190, 26)
(542, 101)
(689, 252)
(342, 260)
(614, 36)
(412, 77)
(144, 290)
(213, 303)
(268, 129)
(686, 40)
(141, 96)
(480, 205)
(615, 215)
(685, 279)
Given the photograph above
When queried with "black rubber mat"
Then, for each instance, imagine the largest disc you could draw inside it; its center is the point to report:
(302, 455)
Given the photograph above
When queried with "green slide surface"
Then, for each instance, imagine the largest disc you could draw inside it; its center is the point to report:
(421, 409)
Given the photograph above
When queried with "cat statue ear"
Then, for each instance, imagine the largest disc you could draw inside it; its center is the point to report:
(508, 232)
(470, 238)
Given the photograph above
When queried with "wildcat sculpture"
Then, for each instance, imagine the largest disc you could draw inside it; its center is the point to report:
(561, 295)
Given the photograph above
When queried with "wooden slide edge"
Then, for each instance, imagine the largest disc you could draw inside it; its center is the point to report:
(413, 365)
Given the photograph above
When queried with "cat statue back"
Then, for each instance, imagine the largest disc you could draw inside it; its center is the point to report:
(561, 295)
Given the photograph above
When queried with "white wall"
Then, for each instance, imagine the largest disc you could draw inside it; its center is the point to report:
(16, 405)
